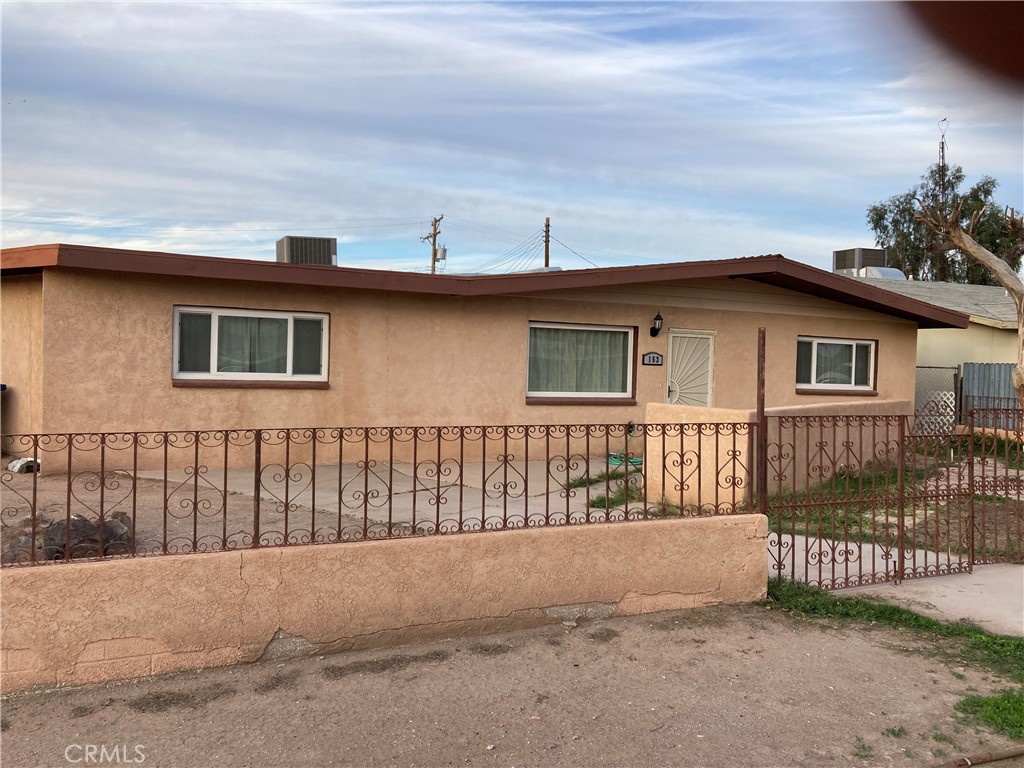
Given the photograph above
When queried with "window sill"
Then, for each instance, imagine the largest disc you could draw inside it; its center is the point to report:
(840, 392)
(243, 384)
(581, 401)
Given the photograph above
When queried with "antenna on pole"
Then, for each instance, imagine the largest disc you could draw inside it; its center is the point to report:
(432, 237)
(547, 242)
(942, 161)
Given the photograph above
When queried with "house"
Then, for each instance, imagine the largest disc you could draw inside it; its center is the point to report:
(102, 339)
(990, 337)
(961, 369)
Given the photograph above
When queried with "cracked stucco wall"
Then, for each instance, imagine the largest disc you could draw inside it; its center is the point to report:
(93, 622)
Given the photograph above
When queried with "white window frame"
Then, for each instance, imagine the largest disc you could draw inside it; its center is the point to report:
(217, 312)
(630, 355)
(869, 387)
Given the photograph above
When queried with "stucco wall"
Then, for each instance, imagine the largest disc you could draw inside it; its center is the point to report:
(401, 359)
(84, 623)
(974, 344)
(21, 354)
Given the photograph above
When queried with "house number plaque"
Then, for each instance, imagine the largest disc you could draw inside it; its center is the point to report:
(652, 358)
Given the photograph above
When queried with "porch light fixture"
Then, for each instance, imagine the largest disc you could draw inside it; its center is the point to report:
(656, 328)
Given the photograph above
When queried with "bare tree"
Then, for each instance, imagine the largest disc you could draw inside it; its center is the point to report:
(947, 226)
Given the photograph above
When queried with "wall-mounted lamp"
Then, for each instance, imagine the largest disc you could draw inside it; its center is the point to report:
(656, 328)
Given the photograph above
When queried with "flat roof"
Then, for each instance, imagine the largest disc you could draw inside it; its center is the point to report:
(773, 270)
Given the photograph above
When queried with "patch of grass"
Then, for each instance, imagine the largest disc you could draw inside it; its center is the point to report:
(582, 481)
(897, 733)
(862, 750)
(939, 752)
(968, 642)
(847, 503)
(1003, 712)
(618, 497)
(1009, 452)
(943, 738)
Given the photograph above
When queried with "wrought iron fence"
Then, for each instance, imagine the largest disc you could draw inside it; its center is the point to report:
(996, 467)
(993, 412)
(863, 499)
(850, 499)
(104, 495)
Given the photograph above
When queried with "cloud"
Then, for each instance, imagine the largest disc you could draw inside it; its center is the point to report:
(668, 131)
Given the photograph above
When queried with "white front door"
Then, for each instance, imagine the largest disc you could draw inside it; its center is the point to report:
(691, 361)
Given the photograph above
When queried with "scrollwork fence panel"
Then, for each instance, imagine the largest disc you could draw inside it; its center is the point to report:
(135, 494)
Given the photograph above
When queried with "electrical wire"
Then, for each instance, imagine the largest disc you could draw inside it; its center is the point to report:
(570, 249)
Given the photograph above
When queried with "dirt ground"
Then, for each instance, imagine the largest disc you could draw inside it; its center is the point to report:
(727, 686)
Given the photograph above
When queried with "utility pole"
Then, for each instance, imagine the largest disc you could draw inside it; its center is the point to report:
(547, 242)
(432, 237)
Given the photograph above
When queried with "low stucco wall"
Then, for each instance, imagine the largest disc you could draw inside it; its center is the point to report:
(93, 622)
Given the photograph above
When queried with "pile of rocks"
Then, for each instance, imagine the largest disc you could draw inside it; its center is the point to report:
(67, 539)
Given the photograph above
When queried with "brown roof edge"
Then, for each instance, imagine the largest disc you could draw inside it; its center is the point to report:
(771, 269)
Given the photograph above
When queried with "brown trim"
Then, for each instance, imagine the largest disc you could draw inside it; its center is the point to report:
(235, 384)
(581, 401)
(772, 269)
(840, 392)
(178, 305)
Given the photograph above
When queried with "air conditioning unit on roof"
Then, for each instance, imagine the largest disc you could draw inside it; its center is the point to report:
(322, 251)
(852, 259)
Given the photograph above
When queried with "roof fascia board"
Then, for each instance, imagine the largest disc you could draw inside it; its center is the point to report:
(771, 269)
(1005, 325)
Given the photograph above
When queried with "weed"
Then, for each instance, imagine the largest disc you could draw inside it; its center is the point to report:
(862, 750)
(1003, 712)
(896, 733)
(943, 738)
(957, 675)
(619, 497)
(908, 753)
(582, 481)
(966, 642)
(939, 752)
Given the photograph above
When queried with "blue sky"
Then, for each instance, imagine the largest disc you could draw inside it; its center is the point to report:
(648, 132)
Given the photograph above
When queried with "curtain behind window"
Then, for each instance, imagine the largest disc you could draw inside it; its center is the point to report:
(578, 360)
(252, 345)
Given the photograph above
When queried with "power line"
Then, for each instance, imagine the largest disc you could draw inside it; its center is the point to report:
(570, 249)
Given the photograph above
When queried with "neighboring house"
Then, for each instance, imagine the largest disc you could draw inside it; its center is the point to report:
(991, 336)
(100, 339)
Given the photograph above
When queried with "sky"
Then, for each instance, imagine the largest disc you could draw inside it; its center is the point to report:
(647, 132)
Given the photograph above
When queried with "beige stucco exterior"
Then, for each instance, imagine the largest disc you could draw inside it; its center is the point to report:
(82, 623)
(978, 343)
(395, 358)
(21, 354)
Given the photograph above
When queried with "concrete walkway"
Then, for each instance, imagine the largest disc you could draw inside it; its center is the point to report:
(992, 597)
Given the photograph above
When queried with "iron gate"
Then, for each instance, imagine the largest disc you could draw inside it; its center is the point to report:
(855, 500)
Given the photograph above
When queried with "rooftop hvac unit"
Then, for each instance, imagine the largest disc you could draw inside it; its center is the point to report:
(856, 258)
(308, 250)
